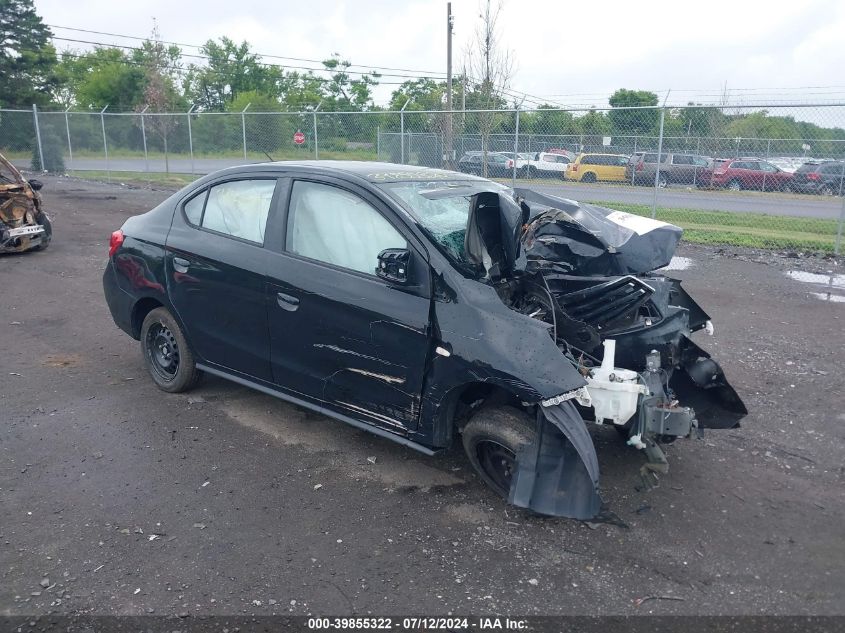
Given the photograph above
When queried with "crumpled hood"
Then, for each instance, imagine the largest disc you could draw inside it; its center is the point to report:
(591, 240)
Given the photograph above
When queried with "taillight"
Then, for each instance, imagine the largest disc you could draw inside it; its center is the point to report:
(640, 166)
(115, 242)
(813, 176)
(573, 166)
(509, 164)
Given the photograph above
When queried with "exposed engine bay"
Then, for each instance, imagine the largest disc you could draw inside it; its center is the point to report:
(23, 224)
(591, 275)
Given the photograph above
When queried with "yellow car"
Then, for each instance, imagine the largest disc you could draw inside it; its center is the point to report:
(594, 167)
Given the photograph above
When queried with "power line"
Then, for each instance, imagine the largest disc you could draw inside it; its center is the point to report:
(200, 46)
(433, 75)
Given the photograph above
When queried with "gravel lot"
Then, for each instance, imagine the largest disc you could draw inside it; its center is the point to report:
(120, 499)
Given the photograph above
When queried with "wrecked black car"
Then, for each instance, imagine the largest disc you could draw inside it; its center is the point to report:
(426, 305)
(23, 224)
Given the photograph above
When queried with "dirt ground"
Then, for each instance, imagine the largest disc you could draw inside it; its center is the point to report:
(120, 499)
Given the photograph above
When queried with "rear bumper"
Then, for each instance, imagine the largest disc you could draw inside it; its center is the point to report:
(119, 301)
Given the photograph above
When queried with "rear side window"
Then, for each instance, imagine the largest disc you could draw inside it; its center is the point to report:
(337, 227)
(589, 160)
(193, 208)
(682, 159)
(239, 208)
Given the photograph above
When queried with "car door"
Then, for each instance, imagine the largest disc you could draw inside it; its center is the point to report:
(215, 263)
(340, 336)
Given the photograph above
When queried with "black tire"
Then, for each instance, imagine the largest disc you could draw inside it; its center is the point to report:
(734, 185)
(492, 439)
(44, 221)
(826, 190)
(528, 172)
(167, 356)
(662, 181)
(589, 177)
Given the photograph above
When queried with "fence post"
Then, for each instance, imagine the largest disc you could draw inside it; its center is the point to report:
(659, 156)
(316, 146)
(69, 147)
(515, 148)
(402, 131)
(191, 138)
(633, 165)
(378, 142)
(144, 140)
(38, 135)
(243, 125)
(768, 150)
(105, 143)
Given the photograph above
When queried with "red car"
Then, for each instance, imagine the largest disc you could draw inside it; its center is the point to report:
(745, 173)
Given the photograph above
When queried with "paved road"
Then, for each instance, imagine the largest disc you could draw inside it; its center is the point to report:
(129, 500)
(675, 196)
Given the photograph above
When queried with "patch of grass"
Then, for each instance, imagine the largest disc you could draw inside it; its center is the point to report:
(754, 230)
(138, 178)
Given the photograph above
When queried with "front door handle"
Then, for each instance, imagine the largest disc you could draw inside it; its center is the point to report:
(180, 265)
(287, 302)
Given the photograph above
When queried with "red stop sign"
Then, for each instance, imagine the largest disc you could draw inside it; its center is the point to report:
(299, 138)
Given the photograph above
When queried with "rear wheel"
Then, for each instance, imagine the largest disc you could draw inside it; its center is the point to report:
(662, 181)
(589, 177)
(735, 185)
(528, 172)
(826, 190)
(492, 439)
(167, 356)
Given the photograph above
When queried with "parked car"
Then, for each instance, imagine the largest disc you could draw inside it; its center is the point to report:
(399, 299)
(823, 177)
(473, 163)
(24, 225)
(674, 168)
(595, 167)
(540, 164)
(787, 163)
(746, 173)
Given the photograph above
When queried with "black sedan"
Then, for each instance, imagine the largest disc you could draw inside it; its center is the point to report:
(423, 304)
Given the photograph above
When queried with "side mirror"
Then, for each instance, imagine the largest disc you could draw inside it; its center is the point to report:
(35, 184)
(393, 265)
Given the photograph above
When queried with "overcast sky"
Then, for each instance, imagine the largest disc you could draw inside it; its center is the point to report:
(570, 52)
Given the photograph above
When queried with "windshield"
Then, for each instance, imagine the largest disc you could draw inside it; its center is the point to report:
(445, 218)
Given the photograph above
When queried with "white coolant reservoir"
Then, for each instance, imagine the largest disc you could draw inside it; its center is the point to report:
(614, 391)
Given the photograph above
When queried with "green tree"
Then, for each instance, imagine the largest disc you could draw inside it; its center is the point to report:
(342, 93)
(626, 121)
(102, 77)
(27, 59)
(230, 70)
(424, 94)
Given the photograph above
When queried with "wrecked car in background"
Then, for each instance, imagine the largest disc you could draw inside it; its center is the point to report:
(424, 305)
(23, 224)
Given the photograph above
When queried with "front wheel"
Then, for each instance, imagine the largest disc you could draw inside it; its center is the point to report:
(662, 181)
(589, 177)
(826, 190)
(47, 236)
(735, 185)
(167, 357)
(492, 439)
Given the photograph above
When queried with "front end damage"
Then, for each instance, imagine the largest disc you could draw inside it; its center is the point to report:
(23, 224)
(591, 276)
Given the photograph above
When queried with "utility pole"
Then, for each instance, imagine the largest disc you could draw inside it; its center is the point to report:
(449, 158)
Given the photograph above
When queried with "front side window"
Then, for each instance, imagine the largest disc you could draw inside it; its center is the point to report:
(337, 227)
(239, 208)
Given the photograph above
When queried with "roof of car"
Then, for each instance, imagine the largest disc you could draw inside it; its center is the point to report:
(371, 171)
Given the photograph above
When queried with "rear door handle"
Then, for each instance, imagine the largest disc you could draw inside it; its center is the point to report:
(287, 302)
(180, 265)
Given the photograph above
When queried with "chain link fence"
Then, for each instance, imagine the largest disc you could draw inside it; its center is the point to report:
(759, 176)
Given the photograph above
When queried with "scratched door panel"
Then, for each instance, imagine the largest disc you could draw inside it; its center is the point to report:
(351, 342)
